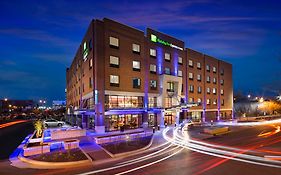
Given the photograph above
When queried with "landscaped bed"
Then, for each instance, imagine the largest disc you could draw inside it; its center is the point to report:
(61, 156)
(125, 146)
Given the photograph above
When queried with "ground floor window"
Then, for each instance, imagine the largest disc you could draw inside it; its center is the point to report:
(129, 121)
(152, 120)
(169, 119)
(116, 101)
(195, 116)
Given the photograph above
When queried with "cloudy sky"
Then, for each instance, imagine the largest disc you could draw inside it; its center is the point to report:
(38, 39)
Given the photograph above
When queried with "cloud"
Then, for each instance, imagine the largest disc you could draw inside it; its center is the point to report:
(38, 35)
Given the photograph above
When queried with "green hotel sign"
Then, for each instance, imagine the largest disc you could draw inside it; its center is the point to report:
(85, 51)
(155, 39)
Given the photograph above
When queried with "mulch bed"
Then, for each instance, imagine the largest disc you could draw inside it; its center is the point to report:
(61, 156)
(125, 146)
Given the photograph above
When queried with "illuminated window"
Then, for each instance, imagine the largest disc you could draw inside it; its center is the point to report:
(199, 90)
(167, 56)
(214, 69)
(114, 80)
(208, 79)
(222, 92)
(198, 65)
(114, 41)
(171, 87)
(179, 73)
(152, 52)
(208, 101)
(191, 88)
(222, 82)
(180, 60)
(136, 83)
(190, 100)
(214, 101)
(222, 102)
(152, 68)
(167, 71)
(208, 91)
(198, 77)
(199, 100)
(190, 63)
(214, 90)
(136, 65)
(208, 68)
(214, 80)
(114, 61)
(153, 84)
(136, 48)
(190, 76)
(91, 63)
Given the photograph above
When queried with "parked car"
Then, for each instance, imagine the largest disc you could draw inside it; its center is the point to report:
(53, 122)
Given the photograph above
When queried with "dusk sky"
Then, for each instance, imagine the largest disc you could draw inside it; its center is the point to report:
(39, 39)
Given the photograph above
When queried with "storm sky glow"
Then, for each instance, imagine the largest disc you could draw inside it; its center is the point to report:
(39, 39)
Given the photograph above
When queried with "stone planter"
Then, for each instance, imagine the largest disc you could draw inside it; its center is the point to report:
(71, 144)
(69, 133)
(35, 148)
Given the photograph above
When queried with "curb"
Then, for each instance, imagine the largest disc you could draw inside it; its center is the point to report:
(53, 165)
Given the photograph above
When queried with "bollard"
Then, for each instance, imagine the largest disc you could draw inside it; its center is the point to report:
(166, 124)
(158, 127)
(175, 125)
(153, 129)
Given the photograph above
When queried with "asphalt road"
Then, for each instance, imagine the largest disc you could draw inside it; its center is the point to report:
(12, 136)
(170, 159)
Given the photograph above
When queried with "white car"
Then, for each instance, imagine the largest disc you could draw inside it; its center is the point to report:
(53, 122)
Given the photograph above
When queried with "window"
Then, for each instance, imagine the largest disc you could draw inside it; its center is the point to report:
(222, 92)
(90, 83)
(136, 48)
(198, 77)
(208, 102)
(222, 71)
(214, 80)
(136, 65)
(171, 87)
(199, 100)
(114, 80)
(152, 68)
(222, 102)
(198, 65)
(153, 84)
(190, 76)
(167, 57)
(214, 101)
(179, 73)
(222, 82)
(199, 90)
(214, 69)
(208, 68)
(208, 79)
(190, 100)
(167, 71)
(153, 52)
(214, 90)
(90, 63)
(114, 61)
(83, 87)
(208, 91)
(180, 60)
(90, 44)
(190, 63)
(136, 82)
(152, 102)
(191, 88)
(114, 42)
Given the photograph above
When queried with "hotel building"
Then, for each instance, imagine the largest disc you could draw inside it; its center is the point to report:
(121, 76)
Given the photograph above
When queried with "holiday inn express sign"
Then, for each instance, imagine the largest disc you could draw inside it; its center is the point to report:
(155, 39)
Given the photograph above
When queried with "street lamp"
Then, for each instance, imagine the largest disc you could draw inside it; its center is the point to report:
(261, 100)
(249, 96)
(5, 99)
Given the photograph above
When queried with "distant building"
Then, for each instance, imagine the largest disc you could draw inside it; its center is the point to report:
(7, 105)
(58, 104)
(121, 76)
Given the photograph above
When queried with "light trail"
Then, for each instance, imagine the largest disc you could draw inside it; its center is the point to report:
(250, 123)
(11, 123)
(182, 141)
(268, 134)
